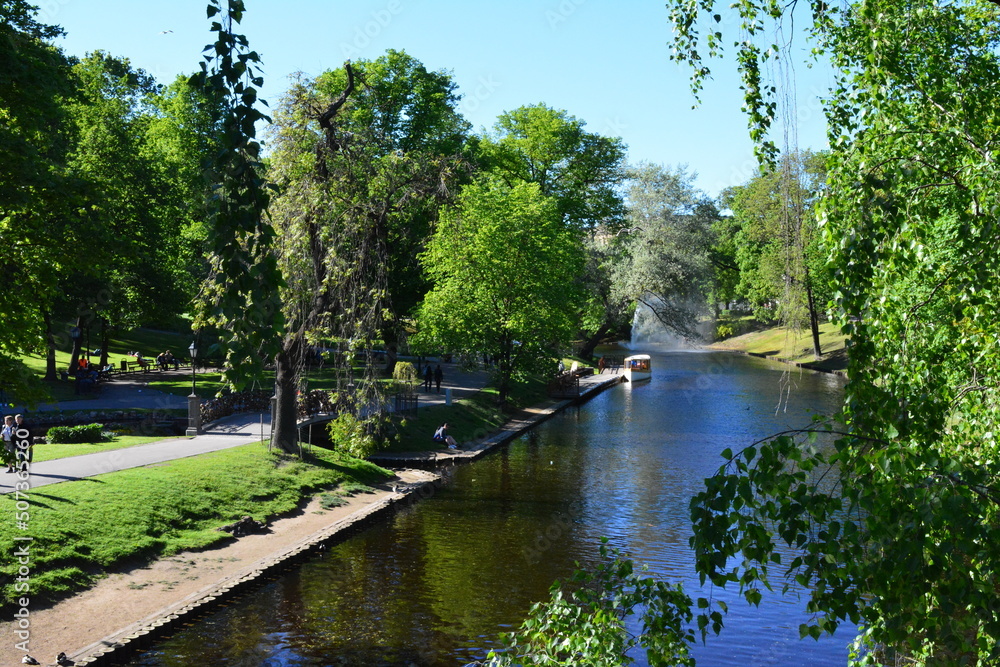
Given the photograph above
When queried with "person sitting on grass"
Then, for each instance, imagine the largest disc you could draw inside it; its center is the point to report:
(441, 435)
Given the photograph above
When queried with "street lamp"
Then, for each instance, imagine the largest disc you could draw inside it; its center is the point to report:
(194, 353)
(194, 403)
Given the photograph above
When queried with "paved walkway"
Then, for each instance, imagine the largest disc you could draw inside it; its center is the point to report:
(229, 432)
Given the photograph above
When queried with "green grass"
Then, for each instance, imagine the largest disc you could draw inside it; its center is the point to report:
(468, 419)
(795, 346)
(82, 530)
(207, 384)
(49, 452)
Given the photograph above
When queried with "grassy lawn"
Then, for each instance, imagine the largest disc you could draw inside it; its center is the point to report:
(468, 419)
(793, 345)
(207, 384)
(48, 452)
(85, 529)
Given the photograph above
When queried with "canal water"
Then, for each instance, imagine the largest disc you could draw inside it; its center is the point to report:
(435, 585)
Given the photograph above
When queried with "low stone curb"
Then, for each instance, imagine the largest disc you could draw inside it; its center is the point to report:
(594, 384)
(121, 646)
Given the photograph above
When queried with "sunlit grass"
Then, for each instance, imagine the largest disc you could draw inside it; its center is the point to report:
(81, 530)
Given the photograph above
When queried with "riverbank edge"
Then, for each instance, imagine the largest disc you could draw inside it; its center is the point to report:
(121, 645)
(130, 640)
(799, 364)
(590, 386)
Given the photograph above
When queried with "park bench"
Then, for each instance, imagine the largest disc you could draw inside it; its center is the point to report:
(135, 366)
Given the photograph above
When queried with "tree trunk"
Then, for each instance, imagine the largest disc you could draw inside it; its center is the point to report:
(390, 337)
(77, 342)
(587, 351)
(813, 317)
(50, 348)
(285, 427)
(104, 342)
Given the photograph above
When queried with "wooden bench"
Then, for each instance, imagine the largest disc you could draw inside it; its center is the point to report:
(128, 367)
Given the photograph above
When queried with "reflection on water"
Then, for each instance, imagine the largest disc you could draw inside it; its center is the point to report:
(436, 584)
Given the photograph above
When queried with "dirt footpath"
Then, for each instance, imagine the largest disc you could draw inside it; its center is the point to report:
(123, 603)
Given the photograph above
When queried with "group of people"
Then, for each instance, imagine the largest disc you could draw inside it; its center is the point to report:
(167, 358)
(16, 436)
(432, 378)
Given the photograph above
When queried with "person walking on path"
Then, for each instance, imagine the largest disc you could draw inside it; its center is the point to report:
(24, 439)
(7, 433)
(438, 376)
(428, 377)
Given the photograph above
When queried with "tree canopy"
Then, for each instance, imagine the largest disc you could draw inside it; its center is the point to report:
(902, 542)
(503, 266)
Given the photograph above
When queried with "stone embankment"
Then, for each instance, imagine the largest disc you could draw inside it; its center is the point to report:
(176, 591)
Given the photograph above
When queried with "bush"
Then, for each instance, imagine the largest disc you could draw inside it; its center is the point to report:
(724, 331)
(405, 376)
(75, 434)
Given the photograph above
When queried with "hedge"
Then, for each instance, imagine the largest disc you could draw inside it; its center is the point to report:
(76, 434)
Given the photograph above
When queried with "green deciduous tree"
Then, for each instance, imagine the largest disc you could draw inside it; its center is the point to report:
(503, 266)
(40, 199)
(666, 265)
(364, 156)
(587, 621)
(580, 170)
(240, 295)
(776, 247)
(900, 533)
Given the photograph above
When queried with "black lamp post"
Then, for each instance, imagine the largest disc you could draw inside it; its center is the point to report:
(194, 353)
(194, 403)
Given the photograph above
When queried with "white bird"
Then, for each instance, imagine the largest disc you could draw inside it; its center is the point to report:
(164, 32)
(28, 660)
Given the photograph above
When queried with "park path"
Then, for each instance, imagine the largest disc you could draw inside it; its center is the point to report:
(229, 432)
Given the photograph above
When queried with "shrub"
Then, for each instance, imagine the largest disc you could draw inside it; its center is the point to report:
(76, 434)
(405, 376)
(724, 331)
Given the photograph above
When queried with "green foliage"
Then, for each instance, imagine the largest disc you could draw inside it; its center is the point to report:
(75, 434)
(586, 621)
(665, 261)
(503, 266)
(723, 331)
(900, 534)
(580, 170)
(776, 237)
(405, 374)
(240, 296)
(364, 155)
(353, 436)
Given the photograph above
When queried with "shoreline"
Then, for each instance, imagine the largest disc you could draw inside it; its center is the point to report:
(132, 610)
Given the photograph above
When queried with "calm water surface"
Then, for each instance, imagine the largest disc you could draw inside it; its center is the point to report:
(436, 584)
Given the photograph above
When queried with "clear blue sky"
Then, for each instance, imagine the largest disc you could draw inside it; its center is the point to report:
(604, 62)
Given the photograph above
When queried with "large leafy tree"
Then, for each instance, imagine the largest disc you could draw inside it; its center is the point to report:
(40, 200)
(136, 268)
(904, 540)
(503, 265)
(582, 171)
(364, 156)
(665, 264)
(776, 242)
